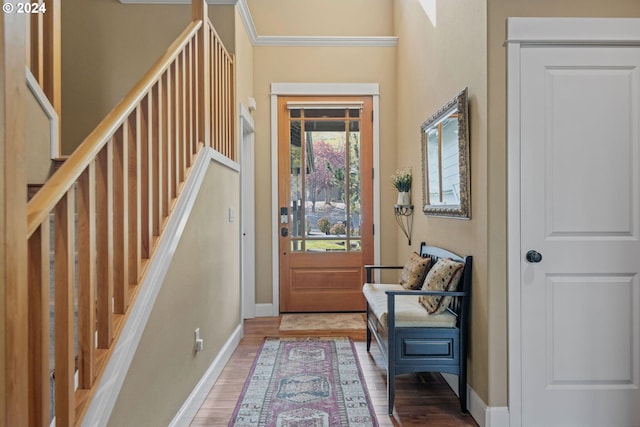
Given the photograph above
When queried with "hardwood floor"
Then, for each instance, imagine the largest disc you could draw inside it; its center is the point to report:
(424, 400)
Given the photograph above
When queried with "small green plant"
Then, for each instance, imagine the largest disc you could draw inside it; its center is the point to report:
(324, 225)
(401, 180)
(338, 228)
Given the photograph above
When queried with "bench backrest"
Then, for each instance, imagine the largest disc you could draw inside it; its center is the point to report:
(459, 306)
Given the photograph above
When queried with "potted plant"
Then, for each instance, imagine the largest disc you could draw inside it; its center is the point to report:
(401, 180)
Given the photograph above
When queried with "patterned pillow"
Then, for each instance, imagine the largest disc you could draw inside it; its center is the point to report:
(443, 276)
(414, 271)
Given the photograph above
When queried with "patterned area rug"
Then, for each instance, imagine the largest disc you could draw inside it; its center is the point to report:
(310, 382)
(322, 321)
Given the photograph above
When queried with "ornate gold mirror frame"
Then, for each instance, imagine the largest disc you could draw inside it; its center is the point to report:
(445, 160)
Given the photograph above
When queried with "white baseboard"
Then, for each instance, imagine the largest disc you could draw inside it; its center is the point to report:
(200, 392)
(485, 416)
(477, 408)
(265, 310)
(498, 416)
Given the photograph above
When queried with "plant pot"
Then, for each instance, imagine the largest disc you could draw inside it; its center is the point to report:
(404, 198)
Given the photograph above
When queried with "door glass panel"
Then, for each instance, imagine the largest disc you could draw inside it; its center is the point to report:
(295, 179)
(325, 195)
(325, 112)
(355, 191)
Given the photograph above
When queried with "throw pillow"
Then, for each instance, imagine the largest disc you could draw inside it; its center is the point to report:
(414, 271)
(443, 276)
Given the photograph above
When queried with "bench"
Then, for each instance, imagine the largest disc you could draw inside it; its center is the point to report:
(411, 339)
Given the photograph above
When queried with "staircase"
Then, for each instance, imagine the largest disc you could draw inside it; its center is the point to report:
(105, 209)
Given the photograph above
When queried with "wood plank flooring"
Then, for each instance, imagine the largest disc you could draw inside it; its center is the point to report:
(425, 400)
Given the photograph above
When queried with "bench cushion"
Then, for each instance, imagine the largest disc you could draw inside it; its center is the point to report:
(409, 311)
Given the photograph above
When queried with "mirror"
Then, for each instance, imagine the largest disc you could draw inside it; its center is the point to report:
(445, 160)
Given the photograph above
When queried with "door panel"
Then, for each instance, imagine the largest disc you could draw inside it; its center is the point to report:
(325, 202)
(580, 322)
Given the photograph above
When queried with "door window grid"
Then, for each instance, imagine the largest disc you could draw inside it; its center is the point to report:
(325, 145)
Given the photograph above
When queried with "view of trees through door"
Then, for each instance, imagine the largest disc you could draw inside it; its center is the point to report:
(332, 198)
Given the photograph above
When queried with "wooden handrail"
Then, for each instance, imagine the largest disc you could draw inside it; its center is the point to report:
(53, 190)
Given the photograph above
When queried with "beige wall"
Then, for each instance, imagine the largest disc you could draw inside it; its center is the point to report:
(325, 18)
(438, 55)
(38, 150)
(106, 48)
(244, 64)
(223, 19)
(201, 290)
(38, 141)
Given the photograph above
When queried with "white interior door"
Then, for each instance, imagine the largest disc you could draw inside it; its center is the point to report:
(580, 210)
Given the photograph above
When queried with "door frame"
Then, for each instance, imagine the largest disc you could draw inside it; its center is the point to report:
(247, 209)
(319, 89)
(522, 32)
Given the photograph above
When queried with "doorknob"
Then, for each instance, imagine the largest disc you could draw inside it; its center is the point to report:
(534, 256)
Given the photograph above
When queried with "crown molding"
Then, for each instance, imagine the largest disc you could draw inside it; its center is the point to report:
(285, 41)
(247, 20)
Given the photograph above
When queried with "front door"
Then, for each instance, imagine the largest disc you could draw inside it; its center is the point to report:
(325, 193)
(580, 235)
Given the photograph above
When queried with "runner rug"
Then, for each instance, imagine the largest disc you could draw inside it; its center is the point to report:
(311, 382)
